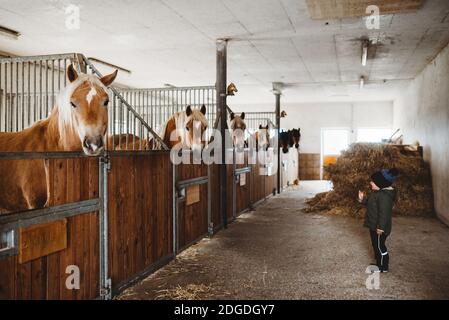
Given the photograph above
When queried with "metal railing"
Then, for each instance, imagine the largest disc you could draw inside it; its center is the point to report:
(157, 105)
(29, 87)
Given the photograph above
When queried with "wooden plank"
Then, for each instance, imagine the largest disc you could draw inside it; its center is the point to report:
(41, 240)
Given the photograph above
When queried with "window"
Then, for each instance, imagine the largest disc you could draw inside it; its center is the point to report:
(373, 134)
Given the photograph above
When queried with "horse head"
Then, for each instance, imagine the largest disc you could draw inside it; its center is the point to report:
(82, 111)
(238, 128)
(195, 126)
(296, 136)
(263, 137)
(284, 141)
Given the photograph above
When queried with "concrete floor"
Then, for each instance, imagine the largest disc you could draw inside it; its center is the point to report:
(279, 252)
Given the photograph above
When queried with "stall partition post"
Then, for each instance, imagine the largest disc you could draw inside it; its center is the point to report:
(278, 128)
(221, 110)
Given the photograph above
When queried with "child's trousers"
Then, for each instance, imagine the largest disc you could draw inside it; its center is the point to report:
(380, 250)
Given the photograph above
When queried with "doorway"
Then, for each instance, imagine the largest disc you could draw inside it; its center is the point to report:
(333, 142)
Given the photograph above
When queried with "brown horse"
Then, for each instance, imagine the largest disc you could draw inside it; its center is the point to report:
(78, 122)
(186, 127)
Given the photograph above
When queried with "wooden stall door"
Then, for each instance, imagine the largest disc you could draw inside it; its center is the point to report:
(140, 215)
(45, 277)
(193, 210)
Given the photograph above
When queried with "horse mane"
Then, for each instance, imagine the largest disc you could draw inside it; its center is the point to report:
(63, 108)
(197, 115)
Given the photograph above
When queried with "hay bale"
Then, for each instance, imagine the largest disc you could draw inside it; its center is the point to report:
(352, 172)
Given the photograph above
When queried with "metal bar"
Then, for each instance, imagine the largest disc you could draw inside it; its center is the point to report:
(16, 100)
(210, 226)
(40, 155)
(38, 58)
(239, 171)
(175, 209)
(28, 218)
(23, 97)
(129, 107)
(191, 182)
(278, 125)
(105, 282)
(221, 110)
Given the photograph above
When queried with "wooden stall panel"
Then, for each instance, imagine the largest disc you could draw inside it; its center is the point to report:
(192, 212)
(45, 277)
(140, 214)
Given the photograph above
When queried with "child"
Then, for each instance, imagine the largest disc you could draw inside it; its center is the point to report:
(379, 206)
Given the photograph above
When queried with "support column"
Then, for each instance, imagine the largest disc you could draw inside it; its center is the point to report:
(222, 113)
(277, 95)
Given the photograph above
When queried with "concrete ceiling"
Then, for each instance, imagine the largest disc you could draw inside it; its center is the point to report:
(173, 41)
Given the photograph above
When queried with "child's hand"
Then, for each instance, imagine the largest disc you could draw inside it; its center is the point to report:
(361, 196)
(379, 232)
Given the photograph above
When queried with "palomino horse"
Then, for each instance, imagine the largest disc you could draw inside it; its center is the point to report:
(127, 141)
(185, 127)
(238, 128)
(78, 122)
(263, 137)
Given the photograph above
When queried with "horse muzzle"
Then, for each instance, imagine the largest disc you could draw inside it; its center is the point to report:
(93, 146)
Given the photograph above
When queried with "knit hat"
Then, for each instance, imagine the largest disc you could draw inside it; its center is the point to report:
(384, 178)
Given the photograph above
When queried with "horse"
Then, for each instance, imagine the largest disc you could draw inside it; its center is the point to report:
(296, 137)
(119, 142)
(263, 137)
(237, 130)
(185, 127)
(78, 122)
(284, 141)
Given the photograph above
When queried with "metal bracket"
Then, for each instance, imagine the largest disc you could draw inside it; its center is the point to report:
(210, 229)
(106, 159)
(8, 238)
(106, 292)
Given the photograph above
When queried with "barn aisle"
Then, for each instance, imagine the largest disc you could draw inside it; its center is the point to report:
(279, 252)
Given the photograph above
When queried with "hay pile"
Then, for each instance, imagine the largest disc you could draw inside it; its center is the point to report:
(352, 172)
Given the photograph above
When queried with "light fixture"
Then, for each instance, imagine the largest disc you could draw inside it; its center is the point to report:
(362, 82)
(365, 45)
(10, 33)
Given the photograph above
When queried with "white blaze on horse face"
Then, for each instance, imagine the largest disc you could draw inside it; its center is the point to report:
(92, 93)
(194, 138)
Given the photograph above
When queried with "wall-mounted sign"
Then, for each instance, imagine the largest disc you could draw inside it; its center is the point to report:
(242, 179)
(41, 240)
(192, 195)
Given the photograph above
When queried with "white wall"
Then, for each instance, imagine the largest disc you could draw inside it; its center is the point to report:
(311, 117)
(422, 113)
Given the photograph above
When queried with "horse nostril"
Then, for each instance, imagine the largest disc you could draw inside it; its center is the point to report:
(100, 142)
(86, 143)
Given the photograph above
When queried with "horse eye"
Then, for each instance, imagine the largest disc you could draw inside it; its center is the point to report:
(73, 105)
(187, 128)
(106, 103)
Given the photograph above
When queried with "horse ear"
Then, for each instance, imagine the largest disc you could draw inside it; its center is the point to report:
(72, 75)
(242, 116)
(203, 109)
(232, 115)
(107, 80)
(260, 126)
(188, 110)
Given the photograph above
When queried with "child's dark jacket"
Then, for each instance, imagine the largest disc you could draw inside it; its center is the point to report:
(379, 210)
